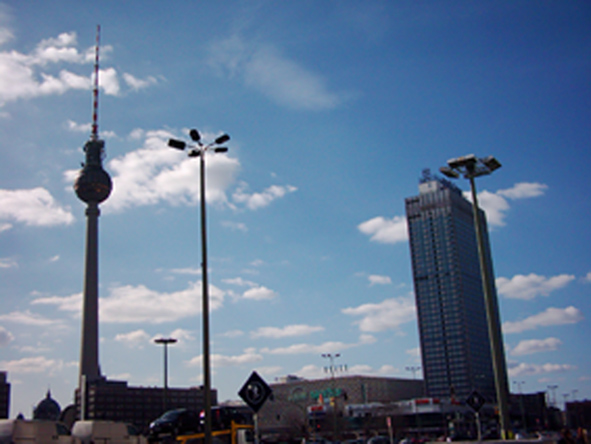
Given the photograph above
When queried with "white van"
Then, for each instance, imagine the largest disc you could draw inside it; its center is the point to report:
(105, 432)
(33, 431)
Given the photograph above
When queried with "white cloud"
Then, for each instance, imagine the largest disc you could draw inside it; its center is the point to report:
(550, 316)
(255, 201)
(537, 369)
(249, 356)
(139, 304)
(387, 315)
(38, 364)
(7, 262)
(530, 346)
(235, 226)
(386, 231)
(375, 279)
(5, 337)
(524, 190)
(25, 76)
(239, 282)
(133, 339)
(265, 69)
(286, 332)
(495, 204)
(156, 173)
(532, 285)
(326, 347)
(587, 277)
(28, 318)
(33, 207)
(137, 84)
(259, 294)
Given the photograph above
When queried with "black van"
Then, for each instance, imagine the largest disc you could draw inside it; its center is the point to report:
(173, 423)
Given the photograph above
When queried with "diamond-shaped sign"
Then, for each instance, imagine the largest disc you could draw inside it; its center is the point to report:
(475, 400)
(255, 391)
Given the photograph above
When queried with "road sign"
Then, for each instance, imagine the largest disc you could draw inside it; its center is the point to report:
(255, 391)
(475, 400)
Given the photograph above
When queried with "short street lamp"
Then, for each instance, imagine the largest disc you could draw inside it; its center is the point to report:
(471, 167)
(165, 342)
(199, 150)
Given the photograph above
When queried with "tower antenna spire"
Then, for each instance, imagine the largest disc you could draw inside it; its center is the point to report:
(95, 90)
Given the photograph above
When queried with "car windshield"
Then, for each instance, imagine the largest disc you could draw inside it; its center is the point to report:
(171, 415)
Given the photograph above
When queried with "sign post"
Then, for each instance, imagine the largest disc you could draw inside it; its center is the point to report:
(255, 392)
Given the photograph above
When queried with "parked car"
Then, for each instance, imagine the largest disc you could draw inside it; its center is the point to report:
(173, 423)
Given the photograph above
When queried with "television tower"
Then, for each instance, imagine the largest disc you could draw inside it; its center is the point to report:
(92, 186)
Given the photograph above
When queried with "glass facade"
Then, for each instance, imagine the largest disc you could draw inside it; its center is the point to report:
(453, 331)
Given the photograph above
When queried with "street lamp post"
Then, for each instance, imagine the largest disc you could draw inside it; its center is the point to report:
(332, 370)
(471, 167)
(199, 150)
(165, 342)
(522, 408)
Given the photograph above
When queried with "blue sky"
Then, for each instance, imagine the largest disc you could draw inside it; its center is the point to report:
(334, 109)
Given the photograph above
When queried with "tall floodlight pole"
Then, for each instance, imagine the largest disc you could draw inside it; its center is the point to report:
(199, 151)
(332, 370)
(92, 186)
(165, 342)
(471, 167)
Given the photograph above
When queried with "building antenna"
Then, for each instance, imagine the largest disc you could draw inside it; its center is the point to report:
(95, 90)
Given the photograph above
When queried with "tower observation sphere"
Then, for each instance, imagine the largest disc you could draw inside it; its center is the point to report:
(94, 183)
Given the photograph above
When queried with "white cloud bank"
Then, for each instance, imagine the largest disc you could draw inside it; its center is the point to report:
(41, 72)
(531, 346)
(550, 316)
(538, 369)
(532, 285)
(387, 315)
(385, 231)
(33, 207)
(288, 331)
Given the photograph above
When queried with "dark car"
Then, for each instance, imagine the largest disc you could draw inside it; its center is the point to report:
(173, 423)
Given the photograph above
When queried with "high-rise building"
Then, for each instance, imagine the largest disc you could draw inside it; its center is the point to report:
(4, 395)
(454, 338)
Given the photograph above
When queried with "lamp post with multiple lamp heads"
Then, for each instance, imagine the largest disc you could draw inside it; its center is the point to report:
(165, 342)
(198, 150)
(471, 167)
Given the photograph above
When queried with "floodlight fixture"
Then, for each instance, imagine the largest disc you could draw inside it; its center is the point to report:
(222, 139)
(178, 144)
(491, 163)
(449, 172)
(221, 149)
(195, 136)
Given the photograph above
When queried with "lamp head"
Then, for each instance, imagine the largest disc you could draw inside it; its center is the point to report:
(491, 163)
(222, 139)
(195, 136)
(177, 144)
(447, 171)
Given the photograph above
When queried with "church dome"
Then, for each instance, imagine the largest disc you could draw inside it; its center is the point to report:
(47, 409)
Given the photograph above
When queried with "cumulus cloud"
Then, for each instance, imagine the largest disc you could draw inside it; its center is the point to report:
(264, 68)
(139, 304)
(375, 279)
(326, 347)
(495, 204)
(386, 231)
(550, 316)
(387, 315)
(259, 294)
(133, 339)
(5, 337)
(28, 318)
(254, 201)
(538, 369)
(532, 285)
(33, 207)
(531, 346)
(39, 364)
(249, 356)
(286, 332)
(41, 72)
